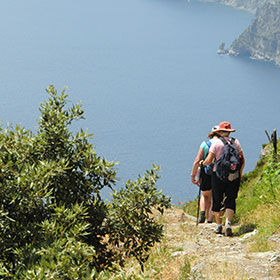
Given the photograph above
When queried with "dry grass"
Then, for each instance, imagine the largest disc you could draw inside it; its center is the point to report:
(267, 218)
(227, 271)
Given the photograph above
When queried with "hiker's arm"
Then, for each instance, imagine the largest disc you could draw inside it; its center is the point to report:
(243, 163)
(209, 159)
(196, 162)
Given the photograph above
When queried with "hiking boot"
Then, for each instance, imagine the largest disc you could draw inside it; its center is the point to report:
(228, 231)
(202, 217)
(219, 230)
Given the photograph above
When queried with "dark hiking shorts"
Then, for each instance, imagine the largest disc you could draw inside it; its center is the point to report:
(205, 181)
(221, 189)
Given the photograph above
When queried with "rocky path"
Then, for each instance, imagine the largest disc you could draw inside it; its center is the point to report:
(215, 256)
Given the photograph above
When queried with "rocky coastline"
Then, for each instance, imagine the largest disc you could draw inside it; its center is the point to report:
(248, 5)
(261, 40)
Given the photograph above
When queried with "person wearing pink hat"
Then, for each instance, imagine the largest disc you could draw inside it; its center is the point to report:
(203, 180)
(224, 193)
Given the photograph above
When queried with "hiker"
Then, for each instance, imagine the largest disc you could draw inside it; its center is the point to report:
(224, 190)
(203, 180)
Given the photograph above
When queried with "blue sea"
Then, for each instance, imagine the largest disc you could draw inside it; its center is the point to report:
(148, 75)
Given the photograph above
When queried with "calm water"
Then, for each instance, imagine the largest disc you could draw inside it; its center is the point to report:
(147, 74)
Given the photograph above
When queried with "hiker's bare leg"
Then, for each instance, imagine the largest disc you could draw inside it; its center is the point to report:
(229, 215)
(202, 202)
(205, 201)
(219, 217)
(210, 214)
(204, 205)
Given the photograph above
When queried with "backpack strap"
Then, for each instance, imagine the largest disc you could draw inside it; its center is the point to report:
(232, 140)
(208, 143)
(223, 140)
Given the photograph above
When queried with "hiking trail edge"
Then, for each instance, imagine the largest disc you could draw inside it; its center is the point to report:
(215, 256)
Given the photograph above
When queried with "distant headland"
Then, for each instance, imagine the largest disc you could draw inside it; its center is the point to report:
(261, 40)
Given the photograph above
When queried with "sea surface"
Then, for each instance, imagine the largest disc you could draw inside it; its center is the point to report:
(148, 75)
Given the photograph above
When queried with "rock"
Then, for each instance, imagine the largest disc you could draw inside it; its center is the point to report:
(265, 257)
(196, 271)
(183, 217)
(222, 49)
(179, 253)
(275, 258)
(249, 234)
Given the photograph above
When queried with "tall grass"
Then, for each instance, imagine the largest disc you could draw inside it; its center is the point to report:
(259, 199)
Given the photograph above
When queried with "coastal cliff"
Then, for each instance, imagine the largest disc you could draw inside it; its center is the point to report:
(249, 5)
(261, 40)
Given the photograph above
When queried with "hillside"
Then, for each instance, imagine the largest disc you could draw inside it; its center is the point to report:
(191, 252)
(261, 40)
(195, 252)
(249, 5)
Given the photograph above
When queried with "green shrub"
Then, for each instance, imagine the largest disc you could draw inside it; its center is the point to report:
(54, 223)
(132, 225)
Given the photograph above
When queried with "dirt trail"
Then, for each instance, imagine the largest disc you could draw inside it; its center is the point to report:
(215, 256)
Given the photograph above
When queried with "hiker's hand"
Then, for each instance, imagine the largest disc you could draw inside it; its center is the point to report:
(194, 181)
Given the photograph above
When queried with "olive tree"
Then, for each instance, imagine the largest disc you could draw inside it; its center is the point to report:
(54, 223)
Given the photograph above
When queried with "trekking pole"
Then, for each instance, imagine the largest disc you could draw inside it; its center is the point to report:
(198, 205)
(274, 142)
(199, 194)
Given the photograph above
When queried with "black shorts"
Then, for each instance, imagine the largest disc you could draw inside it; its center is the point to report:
(205, 181)
(224, 192)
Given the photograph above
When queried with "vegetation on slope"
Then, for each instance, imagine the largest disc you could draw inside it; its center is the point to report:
(259, 199)
(54, 223)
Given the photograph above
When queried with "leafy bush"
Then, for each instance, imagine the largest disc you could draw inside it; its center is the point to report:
(54, 223)
(63, 254)
(132, 225)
